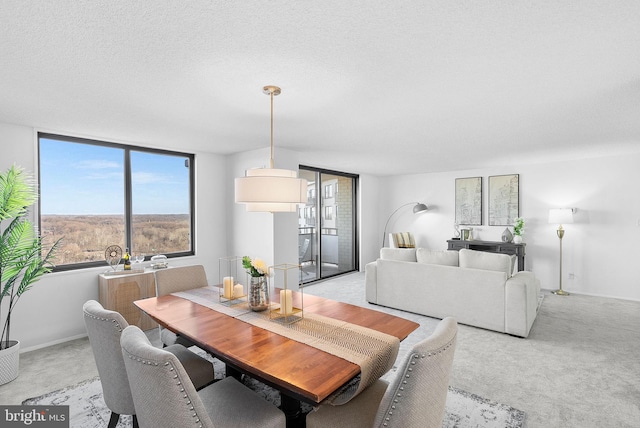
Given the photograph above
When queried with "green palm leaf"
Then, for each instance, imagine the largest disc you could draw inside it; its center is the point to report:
(21, 260)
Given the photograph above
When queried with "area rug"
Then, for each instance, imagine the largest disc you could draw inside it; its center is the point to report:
(464, 410)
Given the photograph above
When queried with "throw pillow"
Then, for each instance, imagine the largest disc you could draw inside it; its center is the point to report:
(487, 261)
(403, 240)
(437, 257)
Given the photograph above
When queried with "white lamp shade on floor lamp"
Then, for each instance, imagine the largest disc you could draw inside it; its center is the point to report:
(561, 216)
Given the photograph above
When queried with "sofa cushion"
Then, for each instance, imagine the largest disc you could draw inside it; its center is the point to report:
(437, 257)
(399, 254)
(486, 261)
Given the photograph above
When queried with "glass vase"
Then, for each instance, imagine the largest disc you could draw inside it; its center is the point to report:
(258, 295)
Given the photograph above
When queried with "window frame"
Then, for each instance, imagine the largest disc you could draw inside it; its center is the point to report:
(128, 194)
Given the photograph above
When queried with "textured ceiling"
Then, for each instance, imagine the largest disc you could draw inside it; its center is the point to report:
(380, 87)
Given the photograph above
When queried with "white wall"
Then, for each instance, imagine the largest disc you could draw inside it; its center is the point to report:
(52, 310)
(599, 249)
(369, 218)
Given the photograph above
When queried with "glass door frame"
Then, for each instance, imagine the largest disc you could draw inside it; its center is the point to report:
(319, 219)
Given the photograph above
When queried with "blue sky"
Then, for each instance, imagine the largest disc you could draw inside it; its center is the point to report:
(86, 179)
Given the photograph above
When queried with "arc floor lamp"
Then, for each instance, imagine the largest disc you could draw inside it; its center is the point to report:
(560, 216)
(418, 207)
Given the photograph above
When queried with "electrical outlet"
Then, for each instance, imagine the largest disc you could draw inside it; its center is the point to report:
(572, 276)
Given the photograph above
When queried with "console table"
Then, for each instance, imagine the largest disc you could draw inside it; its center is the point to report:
(118, 291)
(492, 247)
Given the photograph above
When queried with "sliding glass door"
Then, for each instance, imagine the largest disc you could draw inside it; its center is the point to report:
(327, 234)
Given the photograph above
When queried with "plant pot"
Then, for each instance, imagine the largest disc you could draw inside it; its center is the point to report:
(517, 239)
(9, 361)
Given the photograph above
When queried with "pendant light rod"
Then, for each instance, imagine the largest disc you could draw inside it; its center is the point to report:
(271, 91)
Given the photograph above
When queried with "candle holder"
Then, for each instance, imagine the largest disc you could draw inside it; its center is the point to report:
(231, 291)
(290, 308)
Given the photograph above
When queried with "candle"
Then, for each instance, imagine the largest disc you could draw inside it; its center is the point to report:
(238, 290)
(286, 302)
(227, 287)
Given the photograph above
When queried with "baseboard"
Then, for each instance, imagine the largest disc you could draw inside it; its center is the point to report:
(55, 342)
(606, 296)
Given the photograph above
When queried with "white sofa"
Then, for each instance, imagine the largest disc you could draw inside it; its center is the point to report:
(477, 288)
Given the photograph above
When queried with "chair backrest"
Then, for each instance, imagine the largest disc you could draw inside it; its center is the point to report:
(418, 394)
(402, 240)
(104, 328)
(171, 280)
(163, 394)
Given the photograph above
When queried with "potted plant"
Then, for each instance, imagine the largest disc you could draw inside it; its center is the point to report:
(21, 259)
(518, 230)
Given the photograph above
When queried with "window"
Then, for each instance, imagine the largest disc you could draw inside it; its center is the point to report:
(95, 194)
(328, 191)
(328, 213)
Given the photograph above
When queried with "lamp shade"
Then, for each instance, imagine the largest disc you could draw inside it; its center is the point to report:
(420, 208)
(271, 189)
(561, 215)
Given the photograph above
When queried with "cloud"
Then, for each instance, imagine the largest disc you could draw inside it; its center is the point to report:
(148, 178)
(98, 164)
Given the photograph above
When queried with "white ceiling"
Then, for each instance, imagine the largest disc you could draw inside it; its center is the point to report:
(379, 87)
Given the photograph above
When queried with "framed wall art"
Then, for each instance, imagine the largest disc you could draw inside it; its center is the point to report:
(504, 199)
(469, 201)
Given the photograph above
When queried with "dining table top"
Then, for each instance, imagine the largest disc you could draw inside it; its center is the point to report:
(298, 370)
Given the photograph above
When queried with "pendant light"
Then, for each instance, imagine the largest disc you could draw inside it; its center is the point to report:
(271, 189)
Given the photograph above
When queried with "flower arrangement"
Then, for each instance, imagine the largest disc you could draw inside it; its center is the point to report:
(254, 267)
(518, 226)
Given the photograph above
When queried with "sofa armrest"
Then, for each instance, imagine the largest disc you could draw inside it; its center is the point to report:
(521, 303)
(371, 282)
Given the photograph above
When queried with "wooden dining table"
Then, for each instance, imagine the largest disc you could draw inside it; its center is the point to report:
(300, 372)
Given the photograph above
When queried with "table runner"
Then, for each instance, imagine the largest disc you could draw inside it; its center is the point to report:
(375, 352)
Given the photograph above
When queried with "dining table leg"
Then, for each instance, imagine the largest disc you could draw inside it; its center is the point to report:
(232, 372)
(292, 410)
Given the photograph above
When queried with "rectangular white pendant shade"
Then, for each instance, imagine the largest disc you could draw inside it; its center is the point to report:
(271, 190)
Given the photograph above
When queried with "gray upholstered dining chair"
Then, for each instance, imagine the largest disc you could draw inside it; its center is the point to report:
(415, 398)
(176, 279)
(104, 328)
(165, 397)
